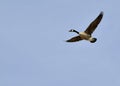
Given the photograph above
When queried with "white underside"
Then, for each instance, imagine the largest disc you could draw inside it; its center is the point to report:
(85, 36)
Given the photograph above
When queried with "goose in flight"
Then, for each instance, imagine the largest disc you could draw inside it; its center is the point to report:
(87, 34)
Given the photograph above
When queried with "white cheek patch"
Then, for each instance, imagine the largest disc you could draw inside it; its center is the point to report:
(72, 30)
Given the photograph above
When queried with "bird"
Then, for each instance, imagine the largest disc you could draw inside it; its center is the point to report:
(87, 34)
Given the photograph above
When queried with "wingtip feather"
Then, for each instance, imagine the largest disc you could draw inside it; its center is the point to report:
(101, 12)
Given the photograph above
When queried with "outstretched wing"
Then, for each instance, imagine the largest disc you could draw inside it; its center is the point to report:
(94, 24)
(74, 39)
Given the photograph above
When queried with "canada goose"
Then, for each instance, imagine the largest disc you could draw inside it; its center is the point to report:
(87, 34)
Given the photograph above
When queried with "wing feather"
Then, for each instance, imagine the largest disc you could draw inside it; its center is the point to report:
(74, 39)
(94, 24)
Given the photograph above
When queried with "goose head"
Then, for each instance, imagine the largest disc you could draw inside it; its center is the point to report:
(72, 30)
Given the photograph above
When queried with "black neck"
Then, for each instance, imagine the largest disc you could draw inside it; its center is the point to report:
(76, 31)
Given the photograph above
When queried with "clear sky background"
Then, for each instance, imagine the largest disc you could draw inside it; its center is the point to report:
(33, 51)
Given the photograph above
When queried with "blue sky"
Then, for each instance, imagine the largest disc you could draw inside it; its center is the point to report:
(33, 51)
